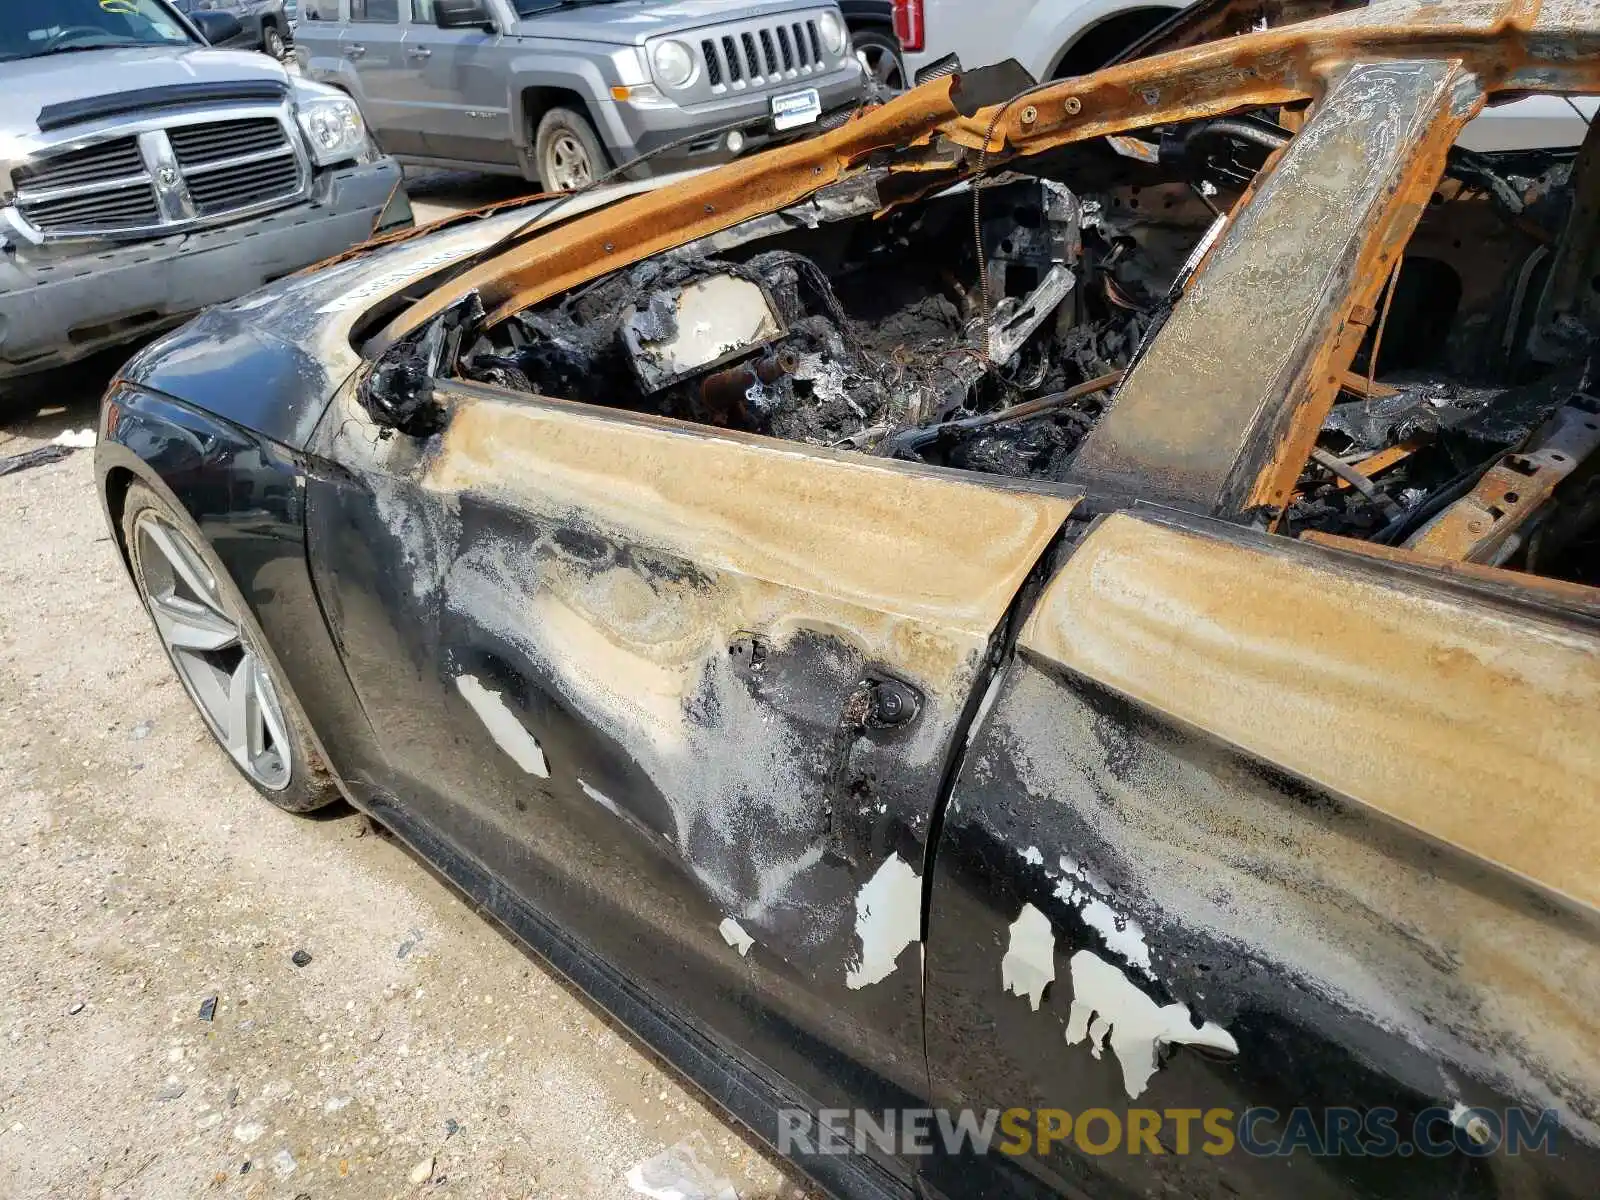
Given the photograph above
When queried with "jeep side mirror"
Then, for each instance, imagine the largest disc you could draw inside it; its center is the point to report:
(461, 14)
(216, 26)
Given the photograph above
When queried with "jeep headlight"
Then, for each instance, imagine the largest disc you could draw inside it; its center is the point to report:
(832, 31)
(674, 63)
(331, 123)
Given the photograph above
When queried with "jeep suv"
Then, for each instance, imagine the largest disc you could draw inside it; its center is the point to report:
(562, 91)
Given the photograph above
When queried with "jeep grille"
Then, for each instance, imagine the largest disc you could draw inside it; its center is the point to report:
(760, 53)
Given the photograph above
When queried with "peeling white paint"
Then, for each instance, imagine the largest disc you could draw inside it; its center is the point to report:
(888, 919)
(733, 933)
(1032, 855)
(1123, 935)
(1108, 1008)
(503, 726)
(600, 798)
(1084, 874)
(1030, 961)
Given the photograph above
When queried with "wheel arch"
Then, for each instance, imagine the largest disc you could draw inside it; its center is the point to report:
(537, 93)
(1098, 41)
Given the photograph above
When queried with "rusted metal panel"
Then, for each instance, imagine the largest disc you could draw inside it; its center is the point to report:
(1485, 525)
(1576, 598)
(1309, 252)
(1465, 722)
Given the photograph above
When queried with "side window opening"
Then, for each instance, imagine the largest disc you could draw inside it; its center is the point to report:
(384, 12)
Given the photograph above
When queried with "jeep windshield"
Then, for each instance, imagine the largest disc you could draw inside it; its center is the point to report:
(41, 27)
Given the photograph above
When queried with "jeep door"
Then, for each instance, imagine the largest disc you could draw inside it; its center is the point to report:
(461, 84)
(316, 44)
(691, 694)
(373, 44)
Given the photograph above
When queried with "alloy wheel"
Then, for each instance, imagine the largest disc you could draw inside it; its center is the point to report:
(882, 66)
(272, 42)
(570, 167)
(220, 669)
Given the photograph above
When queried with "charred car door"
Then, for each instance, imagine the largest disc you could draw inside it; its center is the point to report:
(1270, 866)
(1289, 841)
(691, 693)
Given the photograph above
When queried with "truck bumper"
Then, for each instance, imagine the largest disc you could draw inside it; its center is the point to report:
(57, 308)
(631, 130)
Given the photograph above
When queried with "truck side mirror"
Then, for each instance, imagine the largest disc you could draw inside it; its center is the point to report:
(461, 14)
(216, 26)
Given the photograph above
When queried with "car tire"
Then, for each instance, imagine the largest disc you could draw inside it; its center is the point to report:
(272, 42)
(879, 56)
(568, 151)
(214, 644)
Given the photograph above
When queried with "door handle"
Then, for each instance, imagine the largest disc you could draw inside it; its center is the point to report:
(354, 51)
(420, 52)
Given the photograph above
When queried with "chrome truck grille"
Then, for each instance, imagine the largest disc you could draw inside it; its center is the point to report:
(762, 52)
(163, 178)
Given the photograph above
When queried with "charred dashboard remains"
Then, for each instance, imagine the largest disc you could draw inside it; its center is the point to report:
(986, 328)
(888, 334)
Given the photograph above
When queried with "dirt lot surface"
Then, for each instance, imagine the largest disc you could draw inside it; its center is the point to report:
(420, 1052)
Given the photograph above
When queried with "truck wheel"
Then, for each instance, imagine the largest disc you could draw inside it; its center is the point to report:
(879, 55)
(272, 42)
(568, 151)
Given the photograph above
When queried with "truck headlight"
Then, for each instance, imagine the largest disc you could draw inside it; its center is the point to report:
(331, 123)
(832, 30)
(674, 63)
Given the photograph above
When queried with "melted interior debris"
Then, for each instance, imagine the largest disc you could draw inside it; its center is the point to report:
(990, 336)
(880, 335)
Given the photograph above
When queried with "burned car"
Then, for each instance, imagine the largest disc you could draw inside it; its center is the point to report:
(1072, 600)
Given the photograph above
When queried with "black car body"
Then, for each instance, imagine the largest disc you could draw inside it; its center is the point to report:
(881, 783)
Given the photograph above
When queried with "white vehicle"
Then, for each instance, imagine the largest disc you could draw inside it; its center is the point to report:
(1053, 39)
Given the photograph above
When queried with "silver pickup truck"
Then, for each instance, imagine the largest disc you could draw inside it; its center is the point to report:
(145, 175)
(562, 91)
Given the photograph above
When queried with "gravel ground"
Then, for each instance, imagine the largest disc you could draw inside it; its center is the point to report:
(420, 1052)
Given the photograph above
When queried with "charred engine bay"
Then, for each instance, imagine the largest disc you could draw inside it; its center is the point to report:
(991, 336)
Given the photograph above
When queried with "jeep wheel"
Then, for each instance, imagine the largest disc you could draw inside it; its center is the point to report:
(568, 151)
(879, 56)
(272, 42)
